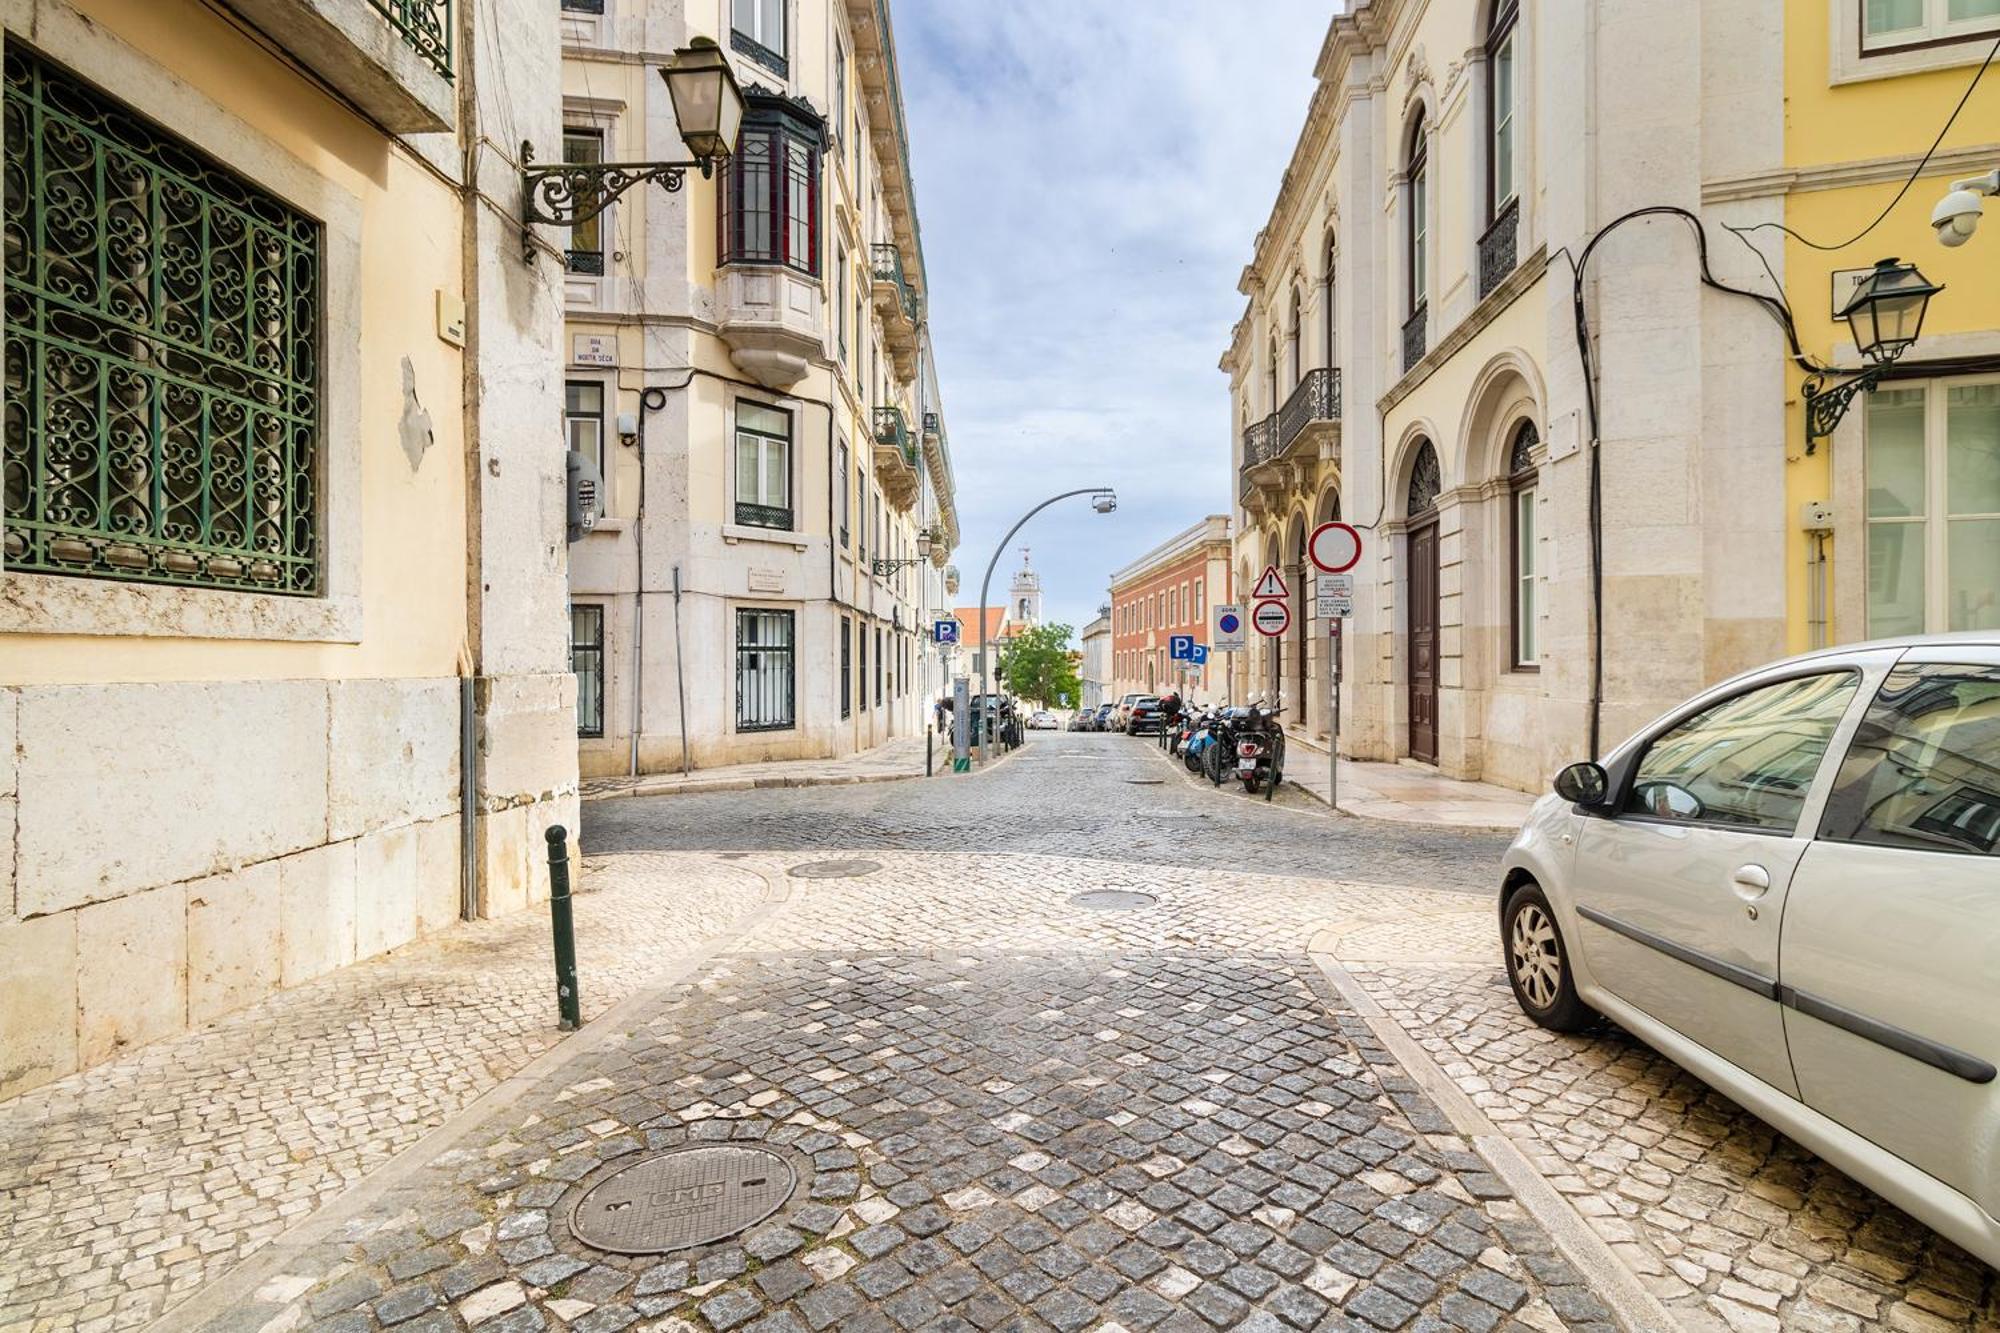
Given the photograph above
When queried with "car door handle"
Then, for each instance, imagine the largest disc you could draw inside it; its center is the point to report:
(1754, 878)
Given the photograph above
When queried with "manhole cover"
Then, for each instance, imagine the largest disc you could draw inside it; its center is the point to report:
(834, 869)
(1113, 900)
(1145, 782)
(679, 1199)
(1170, 814)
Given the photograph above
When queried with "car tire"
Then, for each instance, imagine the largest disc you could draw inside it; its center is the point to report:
(1538, 963)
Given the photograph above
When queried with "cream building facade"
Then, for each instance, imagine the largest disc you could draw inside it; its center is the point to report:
(749, 359)
(283, 674)
(1408, 362)
(1094, 671)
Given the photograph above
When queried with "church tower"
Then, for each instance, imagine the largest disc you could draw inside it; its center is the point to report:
(1024, 598)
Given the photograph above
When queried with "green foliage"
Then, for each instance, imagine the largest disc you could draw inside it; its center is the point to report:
(1040, 668)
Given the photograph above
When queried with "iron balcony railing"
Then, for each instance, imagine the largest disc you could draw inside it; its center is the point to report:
(1317, 398)
(889, 268)
(1260, 441)
(891, 430)
(425, 25)
(1499, 249)
(1414, 329)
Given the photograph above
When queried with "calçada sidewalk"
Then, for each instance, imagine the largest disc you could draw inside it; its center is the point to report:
(1405, 793)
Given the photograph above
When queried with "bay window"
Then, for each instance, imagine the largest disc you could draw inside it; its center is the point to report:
(770, 187)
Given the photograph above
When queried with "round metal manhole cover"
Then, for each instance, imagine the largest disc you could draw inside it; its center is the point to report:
(1145, 782)
(1113, 900)
(834, 869)
(683, 1198)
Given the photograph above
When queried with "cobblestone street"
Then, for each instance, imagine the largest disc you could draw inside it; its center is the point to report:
(1153, 1070)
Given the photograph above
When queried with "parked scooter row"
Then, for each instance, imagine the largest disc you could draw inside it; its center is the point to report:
(1244, 744)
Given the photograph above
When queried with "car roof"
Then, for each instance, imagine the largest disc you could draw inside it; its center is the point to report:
(1835, 652)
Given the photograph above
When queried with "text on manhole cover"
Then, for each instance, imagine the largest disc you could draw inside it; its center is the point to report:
(683, 1198)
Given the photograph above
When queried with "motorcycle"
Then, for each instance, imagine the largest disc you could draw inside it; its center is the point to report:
(1260, 750)
(1198, 738)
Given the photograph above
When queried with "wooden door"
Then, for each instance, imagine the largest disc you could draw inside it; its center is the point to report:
(1423, 635)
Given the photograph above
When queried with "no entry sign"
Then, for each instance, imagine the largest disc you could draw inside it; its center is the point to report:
(1334, 548)
(1271, 618)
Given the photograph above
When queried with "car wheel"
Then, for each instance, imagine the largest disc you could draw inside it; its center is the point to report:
(1538, 964)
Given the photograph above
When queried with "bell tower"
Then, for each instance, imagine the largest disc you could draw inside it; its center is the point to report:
(1024, 597)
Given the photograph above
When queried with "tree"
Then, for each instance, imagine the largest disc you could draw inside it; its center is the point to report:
(1039, 666)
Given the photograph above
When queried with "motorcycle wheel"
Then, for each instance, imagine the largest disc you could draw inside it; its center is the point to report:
(1250, 781)
(1191, 761)
(1211, 762)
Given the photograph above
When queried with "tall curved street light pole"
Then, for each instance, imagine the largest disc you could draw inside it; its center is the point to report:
(1103, 500)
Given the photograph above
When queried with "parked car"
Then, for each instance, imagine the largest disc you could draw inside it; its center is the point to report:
(1102, 722)
(1043, 720)
(1144, 717)
(1080, 719)
(1122, 713)
(1790, 886)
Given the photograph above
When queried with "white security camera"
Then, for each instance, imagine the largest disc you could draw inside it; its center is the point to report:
(1956, 216)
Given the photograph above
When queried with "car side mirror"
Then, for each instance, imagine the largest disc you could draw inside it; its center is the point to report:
(1583, 783)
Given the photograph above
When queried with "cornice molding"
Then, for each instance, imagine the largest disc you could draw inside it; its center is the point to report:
(1843, 175)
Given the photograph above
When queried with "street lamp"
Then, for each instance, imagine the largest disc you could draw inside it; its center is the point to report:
(1884, 314)
(709, 109)
(925, 537)
(1103, 499)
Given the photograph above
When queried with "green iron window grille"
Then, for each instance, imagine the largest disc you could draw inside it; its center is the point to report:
(425, 26)
(162, 352)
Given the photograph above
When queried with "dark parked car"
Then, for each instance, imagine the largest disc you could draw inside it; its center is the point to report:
(1144, 718)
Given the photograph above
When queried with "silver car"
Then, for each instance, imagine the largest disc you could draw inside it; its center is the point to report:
(1790, 886)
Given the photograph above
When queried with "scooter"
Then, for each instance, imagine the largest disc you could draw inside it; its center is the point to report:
(1260, 750)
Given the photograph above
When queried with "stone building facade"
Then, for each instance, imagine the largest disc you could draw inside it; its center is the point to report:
(749, 358)
(283, 681)
(1408, 361)
(1166, 592)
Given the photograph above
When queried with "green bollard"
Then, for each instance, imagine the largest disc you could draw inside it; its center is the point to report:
(564, 924)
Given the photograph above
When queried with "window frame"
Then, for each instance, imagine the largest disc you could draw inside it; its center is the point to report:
(1938, 516)
(757, 513)
(756, 43)
(586, 261)
(1937, 30)
(844, 484)
(1502, 31)
(598, 673)
(572, 417)
(846, 667)
(787, 193)
(1416, 225)
(1523, 488)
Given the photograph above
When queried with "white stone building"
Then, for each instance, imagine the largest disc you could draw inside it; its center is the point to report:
(1096, 667)
(748, 357)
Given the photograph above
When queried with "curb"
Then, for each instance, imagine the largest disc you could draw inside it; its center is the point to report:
(700, 787)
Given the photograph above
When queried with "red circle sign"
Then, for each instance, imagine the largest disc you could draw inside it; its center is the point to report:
(1271, 618)
(1334, 547)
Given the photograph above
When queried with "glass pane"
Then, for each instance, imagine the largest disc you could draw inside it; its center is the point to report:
(743, 17)
(586, 437)
(1972, 449)
(1972, 574)
(1924, 768)
(764, 420)
(1896, 453)
(772, 33)
(746, 470)
(1883, 16)
(1972, 9)
(1524, 565)
(1895, 579)
(1503, 122)
(584, 397)
(1748, 761)
(777, 475)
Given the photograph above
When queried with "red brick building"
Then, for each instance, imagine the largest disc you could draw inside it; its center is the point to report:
(1168, 591)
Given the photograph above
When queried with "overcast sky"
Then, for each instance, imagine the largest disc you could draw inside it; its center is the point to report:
(1090, 175)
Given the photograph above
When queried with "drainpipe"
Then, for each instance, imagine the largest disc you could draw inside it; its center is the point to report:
(468, 800)
(650, 401)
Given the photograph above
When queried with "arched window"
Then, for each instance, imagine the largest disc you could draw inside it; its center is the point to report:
(1521, 499)
(1416, 222)
(1271, 354)
(1501, 107)
(1326, 305)
(1297, 335)
(1425, 482)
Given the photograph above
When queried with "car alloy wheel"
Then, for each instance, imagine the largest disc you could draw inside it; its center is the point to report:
(1537, 960)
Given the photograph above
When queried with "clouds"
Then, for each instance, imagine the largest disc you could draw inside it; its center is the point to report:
(1090, 176)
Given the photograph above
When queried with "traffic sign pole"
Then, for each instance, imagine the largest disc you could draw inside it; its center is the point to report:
(1333, 723)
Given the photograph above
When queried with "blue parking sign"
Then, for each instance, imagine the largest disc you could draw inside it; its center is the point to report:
(944, 631)
(1199, 654)
(1180, 647)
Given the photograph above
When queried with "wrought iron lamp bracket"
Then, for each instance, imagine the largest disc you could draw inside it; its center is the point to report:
(884, 568)
(1827, 404)
(578, 191)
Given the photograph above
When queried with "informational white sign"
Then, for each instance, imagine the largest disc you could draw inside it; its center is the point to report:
(594, 349)
(1270, 584)
(1334, 548)
(1228, 635)
(1335, 595)
(1271, 618)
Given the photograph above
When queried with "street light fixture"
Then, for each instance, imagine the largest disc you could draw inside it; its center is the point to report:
(1104, 500)
(709, 109)
(1884, 314)
(925, 538)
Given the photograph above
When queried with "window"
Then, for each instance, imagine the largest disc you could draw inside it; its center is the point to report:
(846, 667)
(1200, 607)
(1326, 304)
(863, 637)
(1500, 107)
(770, 188)
(162, 349)
(764, 679)
(586, 660)
(843, 486)
(583, 6)
(583, 415)
(1416, 225)
(757, 29)
(1271, 363)
(1923, 771)
(839, 86)
(1521, 497)
(1297, 336)
(586, 239)
(763, 466)
(1933, 505)
(840, 303)
(1747, 762)
(880, 657)
(1898, 25)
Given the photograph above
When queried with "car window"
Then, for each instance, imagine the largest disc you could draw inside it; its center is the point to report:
(1746, 762)
(1924, 768)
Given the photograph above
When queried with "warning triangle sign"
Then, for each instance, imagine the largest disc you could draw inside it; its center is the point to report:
(1269, 584)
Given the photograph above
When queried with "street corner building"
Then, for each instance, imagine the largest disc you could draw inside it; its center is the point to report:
(1408, 361)
(1169, 592)
(748, 362)
(284, 679)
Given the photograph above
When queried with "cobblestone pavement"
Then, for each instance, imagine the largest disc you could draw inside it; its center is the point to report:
(1081, 794)
(128, 1186)
(1719, 1214)
(1006, 1110)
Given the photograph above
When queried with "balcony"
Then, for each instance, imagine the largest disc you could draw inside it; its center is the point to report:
(1415, 329)
(1499, 249)
(1279, 452)
(896, 304)
(937, 457)
(392, 59)
(896, 457)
